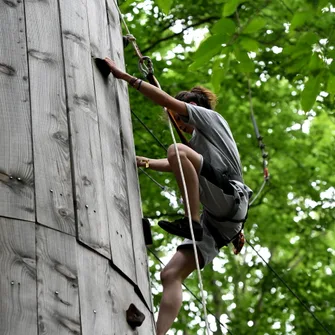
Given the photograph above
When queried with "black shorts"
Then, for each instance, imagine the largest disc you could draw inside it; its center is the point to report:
(217, 177)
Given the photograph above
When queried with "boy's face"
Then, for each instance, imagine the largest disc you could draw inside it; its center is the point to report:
(182, 125)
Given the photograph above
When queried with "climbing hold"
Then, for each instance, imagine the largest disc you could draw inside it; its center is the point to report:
(135, 317)
(125, 41)
(147, 231)
(102, 66)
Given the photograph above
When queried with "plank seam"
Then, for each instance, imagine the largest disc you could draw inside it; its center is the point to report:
(120, 272)
(100, 140)
(13, 218)
(30, 107)
(73, 175)
(72, 166)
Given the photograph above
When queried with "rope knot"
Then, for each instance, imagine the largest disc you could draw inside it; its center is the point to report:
(130, 37)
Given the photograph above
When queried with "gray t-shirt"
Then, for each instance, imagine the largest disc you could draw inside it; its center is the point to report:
(213, 139)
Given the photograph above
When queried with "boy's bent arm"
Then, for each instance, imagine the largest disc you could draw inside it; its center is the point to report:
(161, 165)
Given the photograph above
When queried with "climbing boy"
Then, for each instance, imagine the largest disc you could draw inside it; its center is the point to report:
(213, 176)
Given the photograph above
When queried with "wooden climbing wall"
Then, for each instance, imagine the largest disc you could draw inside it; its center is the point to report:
(72, 251)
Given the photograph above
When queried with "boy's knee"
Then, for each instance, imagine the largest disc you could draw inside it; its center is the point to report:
(169, 275)
(172, 153)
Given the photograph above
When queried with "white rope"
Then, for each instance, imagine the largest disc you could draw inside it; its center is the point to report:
(187, 204)
(121, 15)
(258, 193)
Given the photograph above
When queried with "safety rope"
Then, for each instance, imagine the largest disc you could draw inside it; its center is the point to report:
(288, 287)
(261, 145)
(147, 71)
(149, 131)
(146, 67)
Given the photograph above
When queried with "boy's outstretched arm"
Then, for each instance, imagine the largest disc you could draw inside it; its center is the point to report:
(153, 93)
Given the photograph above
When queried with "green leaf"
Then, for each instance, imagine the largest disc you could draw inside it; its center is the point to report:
(224, 26)
(230, 7)
(296, 65)
(295, 51)
(299, 19)
(331, 84)
(315, 62)
(212, 45)
(217, 77)
(332, 67)
(199, 62)
(310, 93)
(331, 54)
(322, 4)
(226, 62)
(125, 4)
(256, 24)
(249, 44)
(308, 39)
(164, 5)
(246, 65)
(219, 72)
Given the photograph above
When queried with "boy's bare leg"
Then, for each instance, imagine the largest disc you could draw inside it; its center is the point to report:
(191, 163)
(172, 276)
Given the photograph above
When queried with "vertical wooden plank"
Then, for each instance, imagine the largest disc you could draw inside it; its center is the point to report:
(105, 297)
(57, 283)
(95, 303)
(16, 166)
(113, 162)
(18, 278)
(54, 202)
(87, 161)
(141, 259)
(121, 303)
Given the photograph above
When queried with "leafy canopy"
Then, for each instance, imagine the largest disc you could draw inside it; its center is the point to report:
(286, 50)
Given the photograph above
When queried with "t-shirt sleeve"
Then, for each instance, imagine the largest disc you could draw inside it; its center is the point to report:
(199, 117)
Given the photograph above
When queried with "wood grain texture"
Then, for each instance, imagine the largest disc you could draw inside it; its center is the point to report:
(18, 278)
(54, 201)
(105, 297)
(87, 157)
(141, 259)
(57, 283)
(16, 168)
(112, 158)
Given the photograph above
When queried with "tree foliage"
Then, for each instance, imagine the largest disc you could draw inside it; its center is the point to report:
(286, 50)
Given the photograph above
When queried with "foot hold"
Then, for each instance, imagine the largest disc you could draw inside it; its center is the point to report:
(135, 317)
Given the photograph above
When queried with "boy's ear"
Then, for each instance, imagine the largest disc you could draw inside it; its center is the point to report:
(193, 103)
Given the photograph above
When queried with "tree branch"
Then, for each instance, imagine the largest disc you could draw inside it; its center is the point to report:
(163, 39)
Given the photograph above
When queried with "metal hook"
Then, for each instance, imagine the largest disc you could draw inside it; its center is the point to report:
(145, 66)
